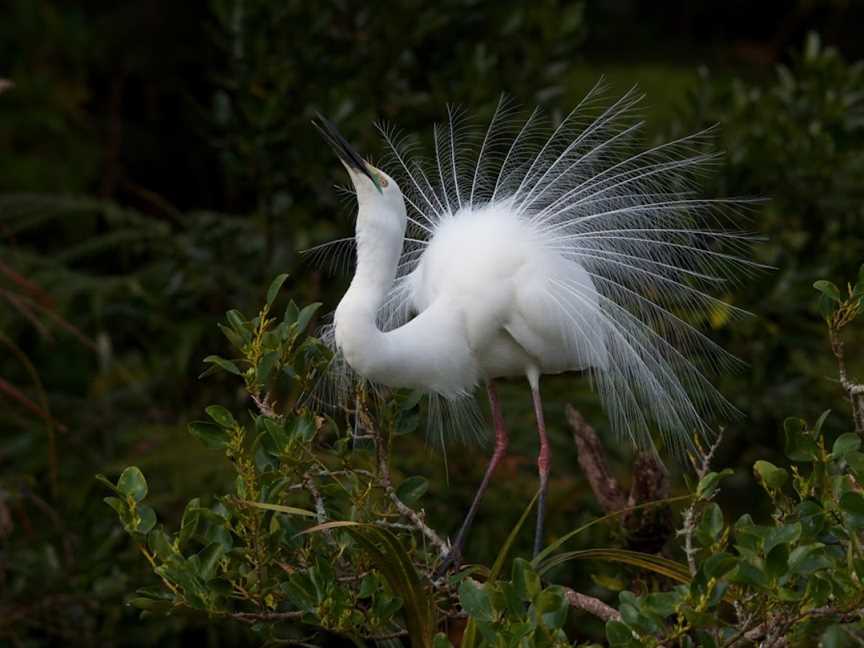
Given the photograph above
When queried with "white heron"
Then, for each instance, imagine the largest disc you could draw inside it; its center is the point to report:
(524, 249)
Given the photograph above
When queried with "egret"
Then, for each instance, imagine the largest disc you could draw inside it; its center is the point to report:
(526, 248)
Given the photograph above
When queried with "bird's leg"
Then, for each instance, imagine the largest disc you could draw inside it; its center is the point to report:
(543, 465)
(501, 441)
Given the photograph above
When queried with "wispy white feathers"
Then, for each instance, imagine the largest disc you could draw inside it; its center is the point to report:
(636, 259)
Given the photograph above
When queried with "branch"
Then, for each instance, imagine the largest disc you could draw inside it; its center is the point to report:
(592, 605)
(687, 531)
(387, 485)
(264, 405)
(854, 391)
(407, 511)
(255, 617)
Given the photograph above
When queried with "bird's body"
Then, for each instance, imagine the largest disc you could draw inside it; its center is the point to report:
(483, 310)
(530, 250)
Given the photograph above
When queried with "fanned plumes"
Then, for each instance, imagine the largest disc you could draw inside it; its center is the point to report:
(641, 255)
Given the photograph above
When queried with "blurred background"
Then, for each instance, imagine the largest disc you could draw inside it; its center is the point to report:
(158, 166)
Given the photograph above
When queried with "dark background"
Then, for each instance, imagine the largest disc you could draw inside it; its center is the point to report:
(158, 166)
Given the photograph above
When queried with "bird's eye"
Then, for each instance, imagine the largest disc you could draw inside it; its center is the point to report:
(382, 181)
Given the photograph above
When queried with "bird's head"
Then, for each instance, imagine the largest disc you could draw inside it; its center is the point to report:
(376, 191)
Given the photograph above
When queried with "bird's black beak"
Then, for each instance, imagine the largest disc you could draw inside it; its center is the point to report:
(349, 157)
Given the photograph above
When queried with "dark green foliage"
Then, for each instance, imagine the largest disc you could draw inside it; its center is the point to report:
(796, 141)
(315, 538)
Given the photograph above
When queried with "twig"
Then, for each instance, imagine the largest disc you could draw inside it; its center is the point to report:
(854, 391)
(592, 605)
(407, 511)
(702, 468)
(264, 405)
(390, 635)
(255, 617)
(687, 531)
(387, 485)
(320, 510)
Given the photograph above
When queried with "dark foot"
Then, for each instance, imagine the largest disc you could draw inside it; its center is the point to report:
(451, 562)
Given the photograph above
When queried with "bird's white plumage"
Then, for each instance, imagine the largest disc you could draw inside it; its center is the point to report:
(525, 249)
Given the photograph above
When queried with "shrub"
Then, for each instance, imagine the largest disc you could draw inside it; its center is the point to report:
(317, 539)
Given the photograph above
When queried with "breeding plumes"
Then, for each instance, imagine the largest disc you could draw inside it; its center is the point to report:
(525, 248)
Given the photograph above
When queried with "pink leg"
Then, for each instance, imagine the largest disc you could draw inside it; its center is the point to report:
(543, 465)
(501, 441)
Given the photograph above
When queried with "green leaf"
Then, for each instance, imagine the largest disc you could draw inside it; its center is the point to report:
(770, 475)
(663, 604)
(782, 535)
(189, 522)
(235, 339)
(160, 545)
(852, 503)
(265, 366)
(711, 525)
(273, 290)
(836, 636)
(800, 446)
(475, 601)
(117, 504)
(147, 519)
(291, 313)
(828, 289)
(305, 316)
(608, 582)
(412, 489)
(777, 561)
(817, 427)
(719, 564)
(303, 428)
(708, 485)
(238, 323)
(107, 482)
(747, 574)
(132, 483)
(154, 606)
(441, 641)
(227, 365)
(368, 586)
(856, 464)
(209, 434)
(209, 558)
(808, 558)
(619, 635)
(221, 416)
(812, 517)
(553, 606)
(845, 444)
(825, 306)
(525, 580)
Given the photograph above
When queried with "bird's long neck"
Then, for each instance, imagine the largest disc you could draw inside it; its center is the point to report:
(379, 239)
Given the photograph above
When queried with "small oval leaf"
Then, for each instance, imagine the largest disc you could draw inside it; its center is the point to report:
(132, 483)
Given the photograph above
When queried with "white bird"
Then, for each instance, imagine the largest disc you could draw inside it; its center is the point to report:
(525, 249)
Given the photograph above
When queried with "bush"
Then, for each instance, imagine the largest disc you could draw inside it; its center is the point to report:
(317, 539)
